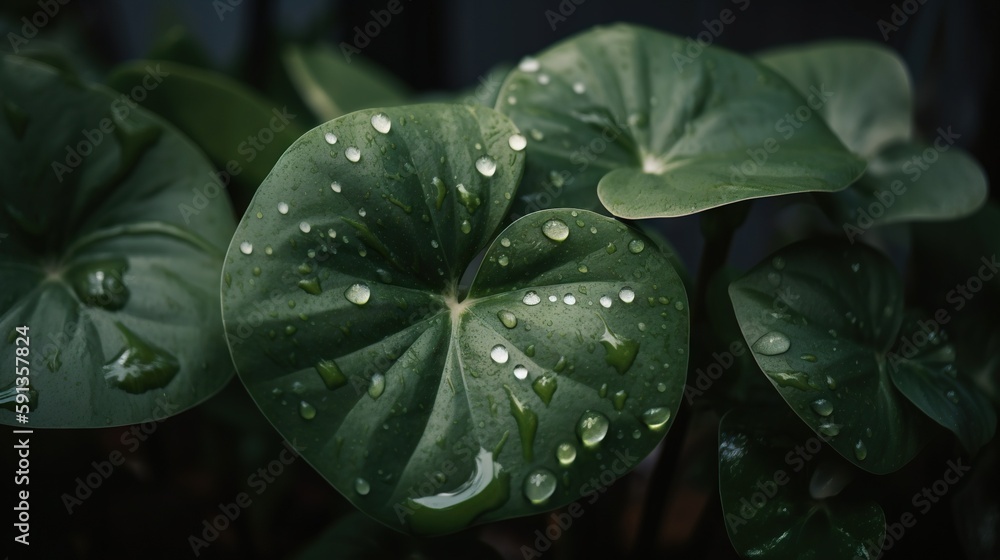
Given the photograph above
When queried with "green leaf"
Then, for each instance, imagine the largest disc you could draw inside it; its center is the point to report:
(117, 287)
(662, 133)
(334, 83)
(429, 410)
(821, 320)
(240, 131)
(923, 368)
(870, 110)
(775, 492)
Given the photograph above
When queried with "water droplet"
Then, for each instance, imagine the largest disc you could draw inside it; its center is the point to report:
(466, 226)
(311, 286)
(101, 284)
(140, 366)
(620, 352)
(520, 372)
(592, 427)
(807, 357)
(772, 344)
(605, 302)
(822, 407)
(829, 429)
(545, 386)
(335, 187)
(487, 488)
(952, 396)
(566, 454)
(246, 247)
(362, 487)
(656, 417)
(796, 380)
(831, 382)
(618, 399)
(530, 351)
(499, 354)
(362, 212)
(860, 450)
(569, 299)
(636, 246)
(377, 386)
(529, 64)
(330, 138)
(543, 79)
(560, 364)
(358, 294)
(579, 88)
(508, 319)
(610, 249)
(626, 294)
(527, 423)
(679, 305)
(469, 200)
(307, 411)
(556, 230)
(856, 267)
(305, 227)
(505, 242)
(486, 166)
(661, 387)
(352, 154)
(282, 208)
(381, 122)
(553, 298)
(503, 260)
(603, 391)
(531, 298)
(331, 374)
(539, 486)
(517, 142)
(778, 263)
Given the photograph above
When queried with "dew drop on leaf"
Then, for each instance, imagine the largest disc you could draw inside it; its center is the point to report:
(539, 485)
(381, 122)
(556, 230)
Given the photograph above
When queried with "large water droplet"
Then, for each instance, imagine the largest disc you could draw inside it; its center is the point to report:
(545, 386)
(246, 247)
(656, 418)
(569, 299)
(352, 154)
(605, 302)
(556, 230)
(517, 142)
(362, 487)
(486, 166)
(636, 246)
(772, 344)
(307, 411)
(377, 386)
(381, 122)
(531, 298)
(358, 294)
(304, 227)
(330, 138)
(626, 294)
(822, 407)
(592, 427)
(499, 354)
(507, 318)
(520, 372)
(539, 486)
(566, 454)
(140, 366)
(488, 488)
(620, 352)
(101, 284)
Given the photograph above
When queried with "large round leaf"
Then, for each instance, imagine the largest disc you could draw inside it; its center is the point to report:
(871, 111)
(821, 320)
(119, 293)
(774, 485)
(427, 409)
(663, 131)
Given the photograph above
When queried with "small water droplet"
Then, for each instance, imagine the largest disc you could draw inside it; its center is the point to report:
(486, 166)
(796, 380)
(605, 302)
(778, 263)
(545, 386)
(330, 138)
(620, 352)
(529, 64)
(539, 486)
(331, 374)
(772, 344)
(543, 79)
(592, 428)
(626, 294)
(610, 249)
(505, 242)
(352, 154)
(282, 207)
(304, 227)
(807, 357)
(582, 269)
(553, 298)
(618, 400)
(311, 286)
(566, 454)
(466, 226)
(381, 122)
(507, 318)
(362, 212)
(520, 372)
(636, 246)
(569, 299)
(362, 487)
(822, 407)
(140, 366)
(579, 88)
(358, 294)
(335, 187)
(856, 267)
(503, 260)
(556, 230)
(831, 382)
(307, 411)
(517, 142)
(499, 354)
(661, 387)
(656, 418)
(952, 396)
(537, 135)
(531, 298)
(246, 247)
(860, 450)
(467, 198)
(377, 386)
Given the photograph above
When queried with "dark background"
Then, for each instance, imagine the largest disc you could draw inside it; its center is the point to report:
(193, 462)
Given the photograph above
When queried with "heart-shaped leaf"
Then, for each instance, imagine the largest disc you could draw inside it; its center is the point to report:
(780, 492)
(333, 84)
(118, 292)
(870, 110)
(663, 130)
(821, 320)
(922, 367)
(429, 410)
